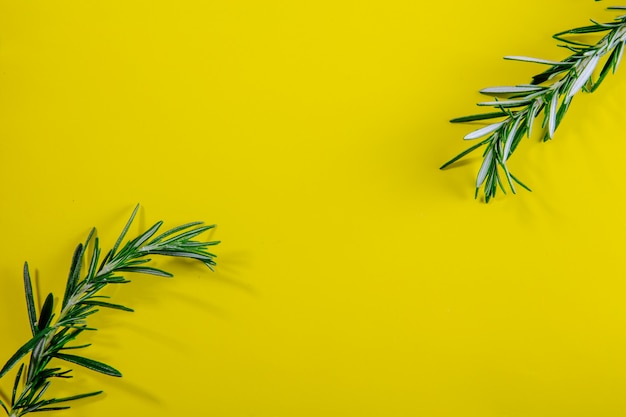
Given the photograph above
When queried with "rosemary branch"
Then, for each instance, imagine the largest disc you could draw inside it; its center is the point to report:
(50, 338)
(550, 91)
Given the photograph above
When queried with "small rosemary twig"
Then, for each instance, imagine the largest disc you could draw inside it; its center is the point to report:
(550, 91)
(50, 337)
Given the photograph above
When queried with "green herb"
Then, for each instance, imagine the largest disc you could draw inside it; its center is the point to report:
(550, 92)
(52, 333)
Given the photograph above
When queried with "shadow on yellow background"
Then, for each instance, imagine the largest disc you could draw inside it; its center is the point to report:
(354, 277)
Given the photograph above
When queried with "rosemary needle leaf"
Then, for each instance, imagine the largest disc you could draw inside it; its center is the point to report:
(537, 61)
(176, 230)
(16, 383)
(484, 169)
(598, 27)
(509, 142)
(90, 364)
(72, 398)
(51, 408)
(483, 131)
(46, 312)
(21, 352)
(465, 152)
(74, 348)
(30, 300)
(583, 77)
(125, 230)
(4, 407)
(552, 114)
(147, 235)
(477, 117)
(72, 278)
(619, 54)
(94, 258)
(107, 305)
(505, 103)
(551, 91)
(146, 270)
(510, 90)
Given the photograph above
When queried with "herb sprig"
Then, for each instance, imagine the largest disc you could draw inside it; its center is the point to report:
(551, 92)
(52, 333)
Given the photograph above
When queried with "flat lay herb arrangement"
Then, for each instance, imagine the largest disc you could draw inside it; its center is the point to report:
(551, 92)
(52, 333)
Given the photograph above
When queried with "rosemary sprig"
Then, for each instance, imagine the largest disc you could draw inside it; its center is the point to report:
(51, 337)
(551, 92)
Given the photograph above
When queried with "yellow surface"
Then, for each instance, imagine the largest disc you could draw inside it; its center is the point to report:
(354, 277)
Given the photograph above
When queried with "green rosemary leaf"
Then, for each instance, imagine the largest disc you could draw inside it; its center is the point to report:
(115, 280)
(509, 140)
(46, 312)
(477, 117)
(509, 180)
(89, 364)
(200, 245)
(190, 234)
(22, 351)
(63, 374)
(106, 259)
(16, 384)
(465, 152)
(520, 183)
(91, 272)
(530, 117)
(484, 131)
(30, 300)
(551, 109)
(81, 326)
(71, 398)
(619, 54)
(511, 90)
(562, 110)
(147, 235)
(538, 61)
(50, 409)
(490, 184)
(484, 169)
(582, 78)
(40, 393)
(547, 75)
(75, 347)
(107, 305)
(499, 182)
(146, 270)
(136, 262)
(72, 279)
(4, 407)
(505, 103)
(62, 337)
(175, 230)
(184, 254)
(36, 357)
(48, 373)
(124, 231)
(516, 140)
(586, 29)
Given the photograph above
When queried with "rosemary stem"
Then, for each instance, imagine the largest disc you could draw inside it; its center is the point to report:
(550, 91)
(81, 299)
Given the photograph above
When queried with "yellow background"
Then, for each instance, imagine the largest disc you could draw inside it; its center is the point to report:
(354, 277)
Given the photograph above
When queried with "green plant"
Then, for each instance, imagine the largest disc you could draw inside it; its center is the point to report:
(551, 92)
(51, 337)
